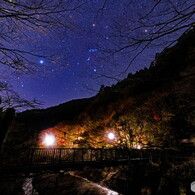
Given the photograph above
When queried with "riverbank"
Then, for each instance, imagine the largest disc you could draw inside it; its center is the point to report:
(135, 178)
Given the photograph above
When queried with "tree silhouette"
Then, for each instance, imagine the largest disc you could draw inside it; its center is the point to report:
(18, 20)
(154, 24)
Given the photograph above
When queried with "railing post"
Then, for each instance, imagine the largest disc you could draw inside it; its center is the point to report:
(31, 157)
(91, 154)
(150, 158)
(166, 157)
(82, 155)
(53, 157)
(129, 153)
(159, 156)
(27, 155)
(140, 156)
(116, 154)
(101, 155)
(73, 154)
(105, 152)
(60, 152)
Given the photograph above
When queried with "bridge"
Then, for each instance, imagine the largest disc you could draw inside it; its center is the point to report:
(36, 159)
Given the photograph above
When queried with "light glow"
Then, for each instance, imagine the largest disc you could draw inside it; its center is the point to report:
(49, 140)
(137, 146)
(111, 136)
(41, 61)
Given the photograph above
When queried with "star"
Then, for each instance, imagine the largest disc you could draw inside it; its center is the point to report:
(41, 61)
(87, 47)
(93, 50)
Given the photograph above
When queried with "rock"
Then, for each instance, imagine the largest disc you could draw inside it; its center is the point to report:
(68, 184)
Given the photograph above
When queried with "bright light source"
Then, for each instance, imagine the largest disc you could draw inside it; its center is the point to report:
(49, 140)
(41, 61)
(138, 146)
(111, 136)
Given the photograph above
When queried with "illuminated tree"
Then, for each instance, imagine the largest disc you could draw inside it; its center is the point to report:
(146, 124)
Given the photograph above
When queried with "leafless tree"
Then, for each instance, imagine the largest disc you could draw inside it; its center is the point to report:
(10, 99)
(146, 24)
(19, 19)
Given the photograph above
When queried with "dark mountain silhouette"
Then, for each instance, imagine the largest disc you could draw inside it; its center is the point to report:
(45, 118)
(153, 106)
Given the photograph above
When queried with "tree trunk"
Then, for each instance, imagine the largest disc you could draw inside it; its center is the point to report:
(5, 123)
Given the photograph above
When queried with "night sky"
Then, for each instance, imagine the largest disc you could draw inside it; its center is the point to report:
(82, 52)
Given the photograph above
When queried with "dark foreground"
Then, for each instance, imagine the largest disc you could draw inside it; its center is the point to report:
(135, 178)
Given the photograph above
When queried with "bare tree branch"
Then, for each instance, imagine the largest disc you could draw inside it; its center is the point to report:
(17, 17)
(161, 25)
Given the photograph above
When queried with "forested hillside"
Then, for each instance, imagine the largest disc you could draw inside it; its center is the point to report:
(153, 107)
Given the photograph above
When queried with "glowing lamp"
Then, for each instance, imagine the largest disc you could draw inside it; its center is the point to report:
(138, 147)
(111, 136)
(49, 140)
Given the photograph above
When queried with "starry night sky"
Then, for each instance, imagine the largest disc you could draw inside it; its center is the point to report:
(79, 59)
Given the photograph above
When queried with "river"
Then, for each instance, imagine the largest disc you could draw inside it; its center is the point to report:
(47, 184)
